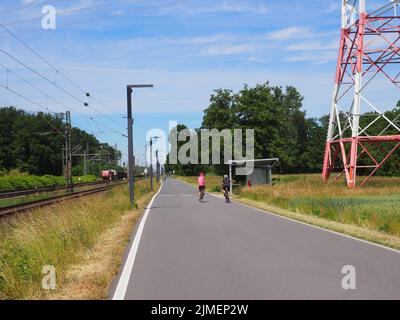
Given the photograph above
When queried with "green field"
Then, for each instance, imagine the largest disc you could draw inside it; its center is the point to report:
(375, 207)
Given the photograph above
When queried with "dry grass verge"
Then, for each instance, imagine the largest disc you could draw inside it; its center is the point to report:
(84, 239)
(90, 279)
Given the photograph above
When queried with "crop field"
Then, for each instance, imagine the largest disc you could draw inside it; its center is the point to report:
(375, 206)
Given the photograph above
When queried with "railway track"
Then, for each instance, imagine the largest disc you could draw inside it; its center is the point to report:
(6, 211)
(20, 193)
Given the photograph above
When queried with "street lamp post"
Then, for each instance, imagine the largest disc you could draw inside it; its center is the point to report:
(145, 160)
(151, 162)
(130, 140)
(157, 167)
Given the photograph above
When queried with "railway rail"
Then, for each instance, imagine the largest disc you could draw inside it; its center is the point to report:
(6, 211)
(27, 192)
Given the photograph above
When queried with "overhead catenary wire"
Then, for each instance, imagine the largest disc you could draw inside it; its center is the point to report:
(73, 83)
(45, 94)
(42, 76)
(33, 102)
(57, 86)
(26, 6)
(65, 13)
(38, 90)
(58, 72)
(43, 107)
(54, 83)
(109, 128)
(34, 87)
(88, 8)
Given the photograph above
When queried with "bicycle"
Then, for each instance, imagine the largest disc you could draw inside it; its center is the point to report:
(202, 193)
(226, 195)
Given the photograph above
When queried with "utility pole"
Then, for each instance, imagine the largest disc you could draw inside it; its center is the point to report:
(68, 153)
(145, 160)
(131, 159)
(151, 164)
(157, 167)
(116, 155)
(63, 161)
(87, 153)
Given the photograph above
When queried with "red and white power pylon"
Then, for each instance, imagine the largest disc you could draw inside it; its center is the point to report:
(369, 59)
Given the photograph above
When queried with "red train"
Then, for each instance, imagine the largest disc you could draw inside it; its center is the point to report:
(114, 175)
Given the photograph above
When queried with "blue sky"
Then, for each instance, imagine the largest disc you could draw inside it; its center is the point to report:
(185, 48)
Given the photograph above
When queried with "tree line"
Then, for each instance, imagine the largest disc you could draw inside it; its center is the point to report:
(282, 129)
(33, 143)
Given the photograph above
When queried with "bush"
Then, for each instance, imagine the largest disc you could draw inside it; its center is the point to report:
(84, 179)
(5, 184)
(20, 182)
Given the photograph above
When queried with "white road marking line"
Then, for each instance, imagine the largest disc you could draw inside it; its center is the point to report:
(123, 282)
(321, 228)
(308, 224)
(176, 195)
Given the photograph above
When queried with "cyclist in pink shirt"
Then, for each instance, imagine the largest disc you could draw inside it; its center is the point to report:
(201, 181)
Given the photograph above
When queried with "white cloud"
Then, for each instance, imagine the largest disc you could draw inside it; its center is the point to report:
(255, 59)
(289, 33)
(314, 58)
(333, 6)
(173, 91)
(203, 39)
(241, 8)
(82, 6)
(211, 7)
(228, 49)
(313, 46)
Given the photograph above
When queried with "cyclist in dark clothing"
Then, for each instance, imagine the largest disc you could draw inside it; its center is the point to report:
(226, 186)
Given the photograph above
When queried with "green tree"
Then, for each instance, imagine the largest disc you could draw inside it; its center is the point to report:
(33, 143)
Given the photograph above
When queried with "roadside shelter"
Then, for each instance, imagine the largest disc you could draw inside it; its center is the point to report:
(262, 173)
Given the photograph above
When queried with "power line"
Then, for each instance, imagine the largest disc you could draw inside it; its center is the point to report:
(69, 80)
(66, 13)
(112, 130)
(29, 5)
(43, 93)
(34, 87)
(43, 107)
(72, 23)
(43, 77)
(73, 83)
(57, 72)
(79, 10)
(31, 101)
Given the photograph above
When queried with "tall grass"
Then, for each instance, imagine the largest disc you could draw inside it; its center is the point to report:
(376, 206)
(59, 236)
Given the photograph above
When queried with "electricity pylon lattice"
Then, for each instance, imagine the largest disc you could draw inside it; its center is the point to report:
(361, 135)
